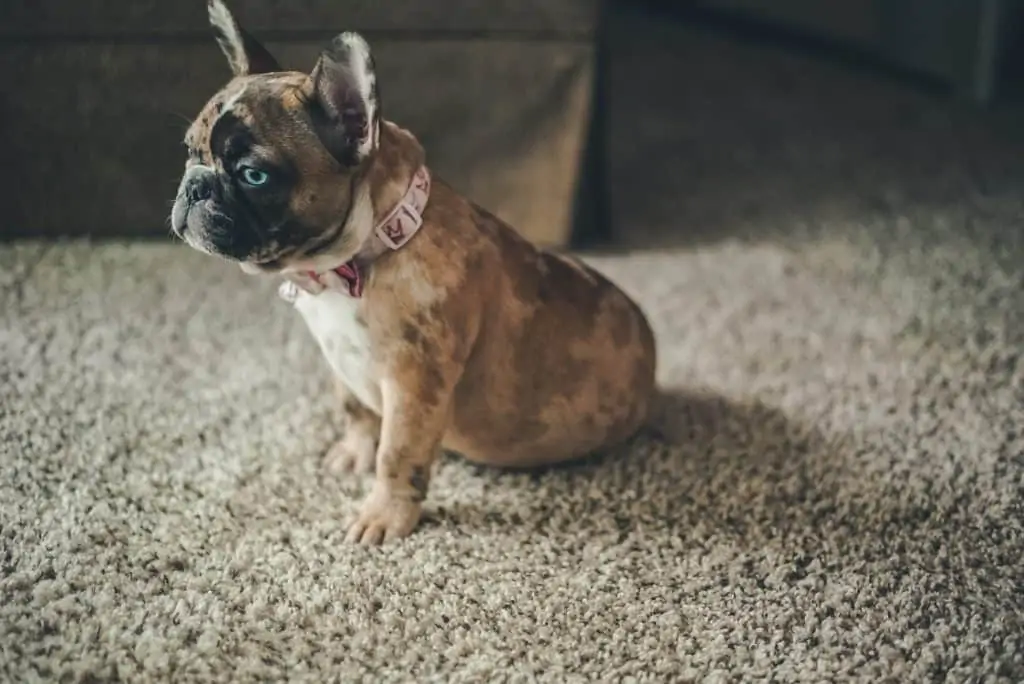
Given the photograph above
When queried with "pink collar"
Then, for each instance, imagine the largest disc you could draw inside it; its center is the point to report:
(394, 230)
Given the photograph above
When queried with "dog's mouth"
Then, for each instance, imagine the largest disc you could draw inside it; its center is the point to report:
(199, 216)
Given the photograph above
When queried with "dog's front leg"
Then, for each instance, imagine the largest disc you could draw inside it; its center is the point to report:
(417, 402)
(356, 451)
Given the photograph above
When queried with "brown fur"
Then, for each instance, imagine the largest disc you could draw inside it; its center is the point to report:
(528, 358)
(481, 343)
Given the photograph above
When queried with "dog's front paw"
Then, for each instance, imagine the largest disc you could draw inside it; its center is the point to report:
(384, 517)
(355, 453)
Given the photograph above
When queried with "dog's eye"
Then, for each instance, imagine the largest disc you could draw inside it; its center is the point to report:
(254, 177)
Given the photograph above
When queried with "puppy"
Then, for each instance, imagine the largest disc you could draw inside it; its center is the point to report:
(442, 326)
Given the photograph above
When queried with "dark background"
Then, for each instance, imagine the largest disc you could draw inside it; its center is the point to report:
(547, 111)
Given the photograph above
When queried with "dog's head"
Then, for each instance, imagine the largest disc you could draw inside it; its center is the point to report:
(275, 158)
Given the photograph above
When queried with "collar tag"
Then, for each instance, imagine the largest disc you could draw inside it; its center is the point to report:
(305, 281)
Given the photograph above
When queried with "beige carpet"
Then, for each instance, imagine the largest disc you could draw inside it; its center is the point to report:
(842, 497)
(838, 493)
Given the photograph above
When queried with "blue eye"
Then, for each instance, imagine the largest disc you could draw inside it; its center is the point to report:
(254, 177)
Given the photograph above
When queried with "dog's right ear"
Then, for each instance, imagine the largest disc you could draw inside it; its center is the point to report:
(245, 54)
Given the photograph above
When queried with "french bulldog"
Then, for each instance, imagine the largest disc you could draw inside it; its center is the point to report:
(443, 328)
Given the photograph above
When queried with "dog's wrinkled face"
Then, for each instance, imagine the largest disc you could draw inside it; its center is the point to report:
(275, 158)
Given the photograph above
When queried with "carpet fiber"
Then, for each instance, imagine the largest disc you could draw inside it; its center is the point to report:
(835, 490)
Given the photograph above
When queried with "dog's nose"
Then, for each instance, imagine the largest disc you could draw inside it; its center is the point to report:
(199, 184)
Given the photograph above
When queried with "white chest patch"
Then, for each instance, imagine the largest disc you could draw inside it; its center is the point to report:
(344, 341)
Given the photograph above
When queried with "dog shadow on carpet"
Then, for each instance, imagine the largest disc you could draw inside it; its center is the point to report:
(705, 466)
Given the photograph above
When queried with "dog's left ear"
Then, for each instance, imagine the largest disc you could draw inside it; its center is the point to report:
(346, 99)
(245, 54)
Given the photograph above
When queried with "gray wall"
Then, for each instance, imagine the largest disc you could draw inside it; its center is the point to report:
(97, 97)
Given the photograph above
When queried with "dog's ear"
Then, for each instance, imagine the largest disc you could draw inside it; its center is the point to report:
(346, 98)
(245, 54)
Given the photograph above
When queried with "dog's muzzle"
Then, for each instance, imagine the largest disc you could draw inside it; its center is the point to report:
(200, 216)
(197, 186)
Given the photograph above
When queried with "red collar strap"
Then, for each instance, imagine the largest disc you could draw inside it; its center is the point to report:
(396, 229)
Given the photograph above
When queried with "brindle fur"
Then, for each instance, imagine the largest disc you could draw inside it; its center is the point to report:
(509, 355)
